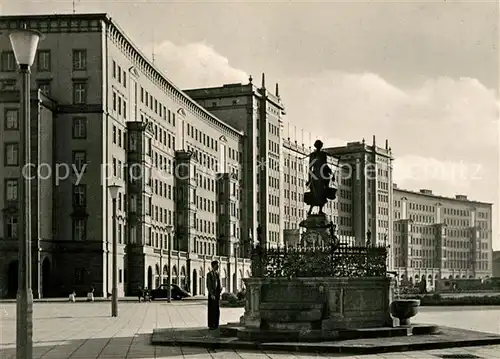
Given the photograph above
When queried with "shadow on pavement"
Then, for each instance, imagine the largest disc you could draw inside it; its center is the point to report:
(136, 347)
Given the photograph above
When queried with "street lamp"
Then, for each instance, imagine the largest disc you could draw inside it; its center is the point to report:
(170, 231)
(24, 44)
(236, 247)
(113, 191)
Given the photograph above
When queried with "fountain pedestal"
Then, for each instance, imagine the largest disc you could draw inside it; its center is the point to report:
(320, 303)
(318, 231)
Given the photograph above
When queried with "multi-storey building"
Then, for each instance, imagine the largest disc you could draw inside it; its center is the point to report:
(258, 114)
(119, 120)
(42, 119)
(496, 264)
(438, 237)
(364, 191)
(295, 172)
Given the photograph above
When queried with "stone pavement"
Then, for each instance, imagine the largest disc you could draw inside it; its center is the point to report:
(86, 331)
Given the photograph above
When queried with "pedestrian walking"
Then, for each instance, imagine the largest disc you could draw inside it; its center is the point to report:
(90, 295)
(214, 291)
(140, 293)
(72, 297)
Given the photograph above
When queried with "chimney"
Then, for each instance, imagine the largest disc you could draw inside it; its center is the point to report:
(263, 81)
(373, 144)
(386, 144)
(461, 197)
(394, 185)
(425, 191)
(277, 91)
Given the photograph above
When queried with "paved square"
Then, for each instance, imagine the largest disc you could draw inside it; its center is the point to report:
(87, 331)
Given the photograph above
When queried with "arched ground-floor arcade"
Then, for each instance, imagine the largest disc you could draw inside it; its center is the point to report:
(41, 275)
(188, 273)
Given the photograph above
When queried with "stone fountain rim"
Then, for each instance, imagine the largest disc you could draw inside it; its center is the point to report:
(416, 301)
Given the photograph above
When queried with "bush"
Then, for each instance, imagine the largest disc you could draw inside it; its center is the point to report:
(438, 300)
(229, 297)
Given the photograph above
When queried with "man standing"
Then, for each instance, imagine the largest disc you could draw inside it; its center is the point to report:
(214, 290)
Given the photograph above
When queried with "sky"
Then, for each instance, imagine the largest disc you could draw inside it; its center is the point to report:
(423, 75)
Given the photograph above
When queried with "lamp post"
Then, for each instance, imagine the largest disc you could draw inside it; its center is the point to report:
(235, 284)
(170, 232)
(24, 44)
(113, 191)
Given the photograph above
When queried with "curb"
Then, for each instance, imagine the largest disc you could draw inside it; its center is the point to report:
(444, 338)
(334, 348)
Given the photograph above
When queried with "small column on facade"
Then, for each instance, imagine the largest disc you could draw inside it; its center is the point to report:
(185, 208)
(138, 189)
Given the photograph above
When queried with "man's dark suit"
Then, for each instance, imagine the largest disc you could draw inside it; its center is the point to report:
(214, 290)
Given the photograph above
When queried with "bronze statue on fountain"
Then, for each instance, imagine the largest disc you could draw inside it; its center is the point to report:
(319, 231)
(320, 176)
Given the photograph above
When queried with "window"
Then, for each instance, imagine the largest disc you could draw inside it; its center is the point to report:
(114, 69)
(119, 169)
(8, 84)
(79, 229)
(11, 154)
(11, 190)
(132, 141)
(148, 206)
(11, 119)
(80, 195)
(133, 203)
(132, 235)
(43, 60)
(79, 92)
(44, 87)
(8, 61)
(79, 160)
(79, 276)
(79, 59)
(79, 127)
(119, 234)
(11, 226)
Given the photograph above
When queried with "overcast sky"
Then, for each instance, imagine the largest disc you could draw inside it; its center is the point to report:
(422, 74)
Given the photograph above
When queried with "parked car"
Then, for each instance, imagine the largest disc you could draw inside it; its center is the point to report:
(162, 292)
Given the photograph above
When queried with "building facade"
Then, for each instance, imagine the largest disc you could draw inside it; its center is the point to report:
(119, 120)
(364, 191)
(258, 114)
(437, 237)
(496, 264)
(42, 120)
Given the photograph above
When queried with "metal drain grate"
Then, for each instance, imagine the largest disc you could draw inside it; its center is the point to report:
(458, 356)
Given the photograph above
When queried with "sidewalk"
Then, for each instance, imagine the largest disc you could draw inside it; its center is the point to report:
(83, 331)
(98, 299)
